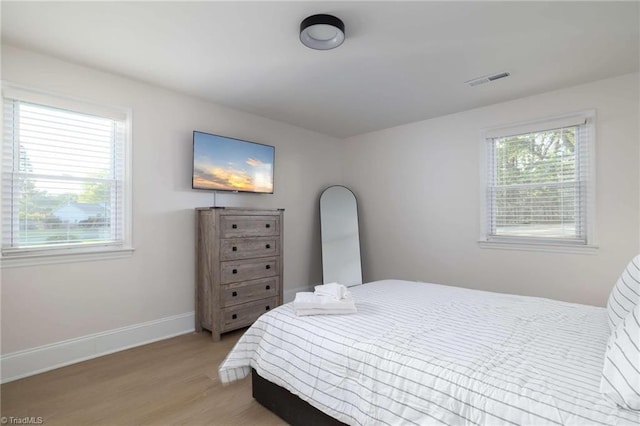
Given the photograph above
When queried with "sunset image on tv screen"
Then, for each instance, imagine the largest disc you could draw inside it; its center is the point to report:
(227, 164)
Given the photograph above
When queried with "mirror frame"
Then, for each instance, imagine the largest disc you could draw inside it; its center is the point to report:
(357, 222)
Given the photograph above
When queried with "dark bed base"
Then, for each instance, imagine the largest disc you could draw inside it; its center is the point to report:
(289, 407)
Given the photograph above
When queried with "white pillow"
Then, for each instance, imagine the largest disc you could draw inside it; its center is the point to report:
(625, 294)
(621, 373)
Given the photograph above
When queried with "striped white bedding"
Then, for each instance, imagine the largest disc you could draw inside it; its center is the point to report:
(421, 354)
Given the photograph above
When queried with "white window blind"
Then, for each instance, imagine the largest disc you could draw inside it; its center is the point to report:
(539, 184)
(63, 178)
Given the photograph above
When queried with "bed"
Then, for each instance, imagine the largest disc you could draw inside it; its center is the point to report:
(419, 353)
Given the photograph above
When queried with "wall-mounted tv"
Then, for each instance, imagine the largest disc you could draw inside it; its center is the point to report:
(227, 164)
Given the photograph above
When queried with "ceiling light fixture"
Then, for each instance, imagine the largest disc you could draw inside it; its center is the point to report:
(322, 32)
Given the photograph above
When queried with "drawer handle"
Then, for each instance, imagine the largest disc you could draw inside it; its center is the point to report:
(268, 225)
(268, 266)
(268, 287)
(234, 248)
(235, 271)
(267, 308)
(234, 226)
(234, 316)
(234, 294)
(268, 246)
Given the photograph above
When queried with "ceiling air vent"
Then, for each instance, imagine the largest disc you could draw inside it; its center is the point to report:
(487, 78)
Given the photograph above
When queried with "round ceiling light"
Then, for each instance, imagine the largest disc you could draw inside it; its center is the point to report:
(322, 32)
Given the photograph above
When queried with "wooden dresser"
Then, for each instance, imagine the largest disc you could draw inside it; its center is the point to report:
(239, 266)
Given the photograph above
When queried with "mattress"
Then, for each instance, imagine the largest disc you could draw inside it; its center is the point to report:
(418, 353)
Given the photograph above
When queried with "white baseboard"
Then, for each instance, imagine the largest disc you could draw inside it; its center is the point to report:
(17, 365)
(25, 363)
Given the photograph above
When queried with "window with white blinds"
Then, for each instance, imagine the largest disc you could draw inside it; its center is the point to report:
(64, 176)
(539, 184)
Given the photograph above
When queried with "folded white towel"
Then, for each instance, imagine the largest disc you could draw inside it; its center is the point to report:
(307, 300)
(304, 312)
(313, 304)
(335, 290)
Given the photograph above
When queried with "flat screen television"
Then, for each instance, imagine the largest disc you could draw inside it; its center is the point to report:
(227, 164)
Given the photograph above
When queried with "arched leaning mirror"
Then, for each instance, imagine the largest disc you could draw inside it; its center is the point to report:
(340, 237)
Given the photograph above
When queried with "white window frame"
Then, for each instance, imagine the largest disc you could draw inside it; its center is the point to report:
(47, 255)
(541, 244)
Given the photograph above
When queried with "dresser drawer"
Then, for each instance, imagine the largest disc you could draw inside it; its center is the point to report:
(245, 314)
(251, 269)
(249, 226)
(248, 291)
(247, 248)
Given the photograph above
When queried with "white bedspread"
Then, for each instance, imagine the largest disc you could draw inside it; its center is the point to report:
(423, 354)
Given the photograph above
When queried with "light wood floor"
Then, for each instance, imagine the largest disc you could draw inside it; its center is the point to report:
(174, 381)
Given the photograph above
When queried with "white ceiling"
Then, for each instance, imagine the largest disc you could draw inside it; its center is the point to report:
(401, 61)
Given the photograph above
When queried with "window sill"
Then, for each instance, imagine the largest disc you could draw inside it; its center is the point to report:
(31, 259)
(548, 247)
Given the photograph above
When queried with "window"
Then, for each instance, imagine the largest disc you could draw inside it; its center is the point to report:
(539, 183)
(65, 186)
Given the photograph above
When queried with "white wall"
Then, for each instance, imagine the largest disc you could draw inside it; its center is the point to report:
(53, 303)
(419, 204)
(419, 195)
